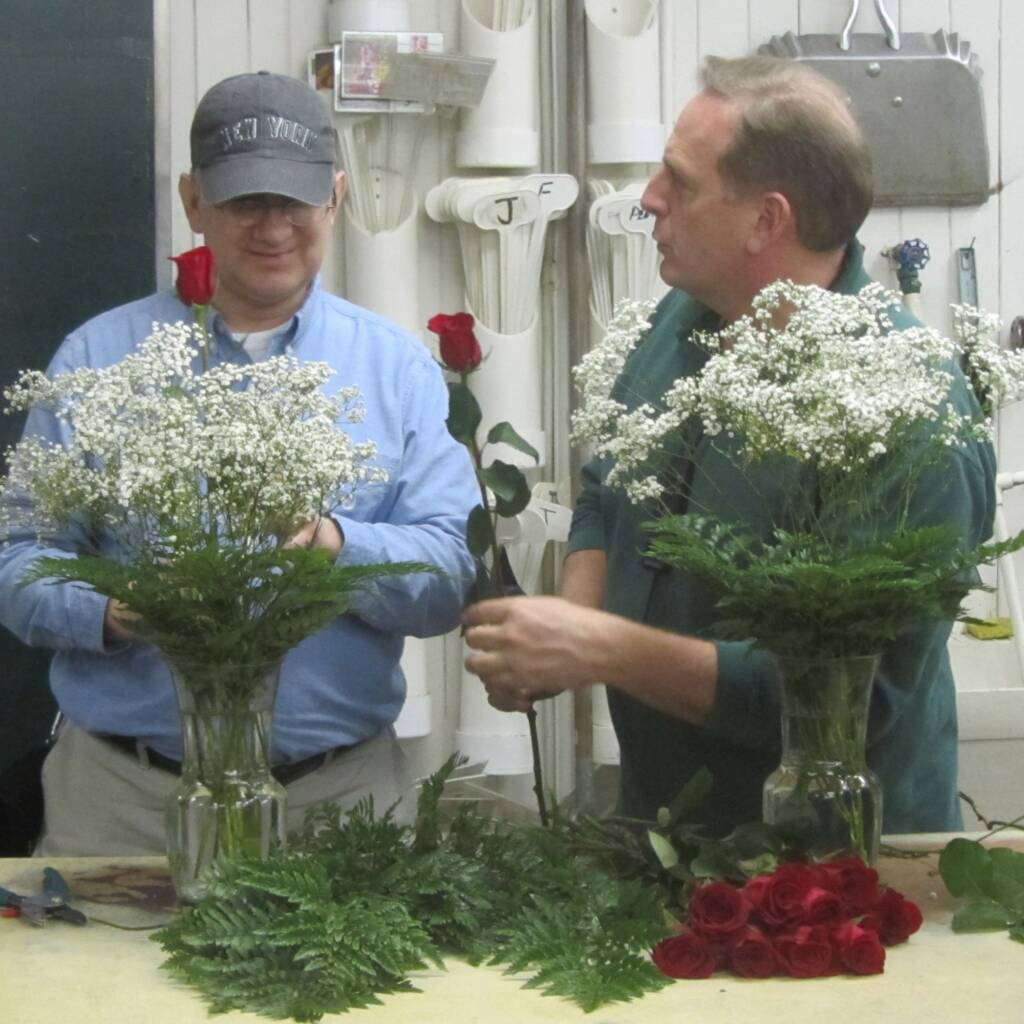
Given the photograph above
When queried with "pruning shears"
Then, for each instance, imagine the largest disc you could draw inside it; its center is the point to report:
(52, 902)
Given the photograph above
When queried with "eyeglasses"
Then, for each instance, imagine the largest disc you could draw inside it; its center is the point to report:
(249, 210)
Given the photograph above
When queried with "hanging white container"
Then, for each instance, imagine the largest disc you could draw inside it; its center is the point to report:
(507, 385)
(497, 739)
(606, 743)
(414, 719)
(382, 270)
(367, 16)
(502, 130)
(623, 82)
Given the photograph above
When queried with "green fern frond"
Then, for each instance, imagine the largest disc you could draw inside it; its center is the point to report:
(360, 901)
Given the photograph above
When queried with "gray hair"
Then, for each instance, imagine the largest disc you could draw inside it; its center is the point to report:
(795, 135)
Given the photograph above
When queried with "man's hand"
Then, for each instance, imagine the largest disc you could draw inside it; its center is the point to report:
(117, 622)
(528, 648)
(525, 647)
(322, 532)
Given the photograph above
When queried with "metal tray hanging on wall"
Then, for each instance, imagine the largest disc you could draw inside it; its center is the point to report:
(919, 100)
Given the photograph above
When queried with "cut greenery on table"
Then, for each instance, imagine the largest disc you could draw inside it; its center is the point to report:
(589, 910)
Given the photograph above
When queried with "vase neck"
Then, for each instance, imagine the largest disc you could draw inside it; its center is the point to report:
(226, 716)
(220, 749)
(825, 706)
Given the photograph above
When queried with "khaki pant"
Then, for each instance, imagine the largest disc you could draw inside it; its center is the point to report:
(100, 801)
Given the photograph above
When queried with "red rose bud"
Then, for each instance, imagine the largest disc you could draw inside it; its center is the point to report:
(859, 949)
(717, 910)
(686, 955)
(896, 917)
(751, 954)
(807, 952)
(460, 351)
(196, 280)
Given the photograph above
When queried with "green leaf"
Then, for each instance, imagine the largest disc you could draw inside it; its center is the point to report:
(714, 862)
(1017, 932)
(511, 491)
(983, 916)
(479, 531)
(663, 849)
(764, 864)
(689, 799)
(1008, 877)
(966, 868)
(503, 433)
(463, 413)
(756, 840)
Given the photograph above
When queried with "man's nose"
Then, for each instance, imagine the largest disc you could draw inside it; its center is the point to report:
(651, 200)
(273, 220)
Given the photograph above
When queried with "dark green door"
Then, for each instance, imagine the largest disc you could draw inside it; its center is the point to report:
(76, 220)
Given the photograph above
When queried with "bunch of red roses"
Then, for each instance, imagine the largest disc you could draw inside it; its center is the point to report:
(804, 920)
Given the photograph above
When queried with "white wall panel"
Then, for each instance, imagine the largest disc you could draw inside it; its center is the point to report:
(724, 28)
(268, 28)
(769, 18)
(307, 30)
(222, 39)
(183, 98)
(685, 54)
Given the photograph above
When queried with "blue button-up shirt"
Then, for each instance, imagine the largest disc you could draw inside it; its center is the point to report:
(342, 684)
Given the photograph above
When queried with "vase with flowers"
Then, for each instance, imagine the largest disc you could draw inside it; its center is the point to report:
(504, 492)
(828, 418)
(199, 476)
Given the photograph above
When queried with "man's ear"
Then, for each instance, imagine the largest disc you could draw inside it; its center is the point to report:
(188, 190)
(774, 220)
(340, 188)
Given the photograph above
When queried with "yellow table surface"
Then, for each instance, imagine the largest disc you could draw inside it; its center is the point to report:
(61, 973)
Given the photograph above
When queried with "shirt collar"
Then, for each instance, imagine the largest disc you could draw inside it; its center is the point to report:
(287, 333)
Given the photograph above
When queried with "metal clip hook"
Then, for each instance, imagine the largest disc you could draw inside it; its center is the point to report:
(892, 34)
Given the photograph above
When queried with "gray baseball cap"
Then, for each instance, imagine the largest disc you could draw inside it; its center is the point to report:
(263, 133)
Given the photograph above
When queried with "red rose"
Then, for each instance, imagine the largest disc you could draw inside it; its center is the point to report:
(752, 955)
(806, 952)
(686, 955)
(460, 351)
(754, 890)
(717, 910)
(783, 894)
(859, 949)
(196, 280)
(894, 917)
(820, 906)
(854, 881)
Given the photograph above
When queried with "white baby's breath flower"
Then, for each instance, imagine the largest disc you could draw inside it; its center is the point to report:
(161, 454)
(809, 374)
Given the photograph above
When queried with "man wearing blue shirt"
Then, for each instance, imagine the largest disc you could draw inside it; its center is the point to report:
(264, 193)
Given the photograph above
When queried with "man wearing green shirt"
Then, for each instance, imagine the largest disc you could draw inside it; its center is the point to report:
(765, 177)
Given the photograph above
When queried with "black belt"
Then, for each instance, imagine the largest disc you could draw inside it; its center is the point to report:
(286, 773)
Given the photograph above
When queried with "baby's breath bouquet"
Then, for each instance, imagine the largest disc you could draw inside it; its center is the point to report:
(826, 419)
(819, 391)
(177, 494)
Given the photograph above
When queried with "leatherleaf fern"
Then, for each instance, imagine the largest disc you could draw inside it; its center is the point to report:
(359, 902)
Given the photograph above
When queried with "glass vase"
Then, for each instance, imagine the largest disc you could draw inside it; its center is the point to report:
(823, 795)
(227, 803)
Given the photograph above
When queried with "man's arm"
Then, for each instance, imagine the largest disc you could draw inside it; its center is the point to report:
(422, 518)
(583, 577)
(63, 616)
(524, 647)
